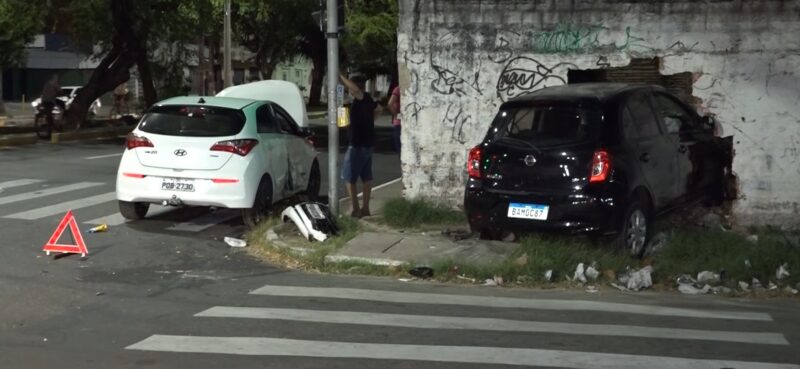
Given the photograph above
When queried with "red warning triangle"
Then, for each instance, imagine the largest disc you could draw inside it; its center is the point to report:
(78, 248)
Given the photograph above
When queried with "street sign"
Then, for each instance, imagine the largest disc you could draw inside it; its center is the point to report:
(339, 95)
(52, 244)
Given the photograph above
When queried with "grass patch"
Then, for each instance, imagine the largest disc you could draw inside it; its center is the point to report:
(403, 213)
(690, 251)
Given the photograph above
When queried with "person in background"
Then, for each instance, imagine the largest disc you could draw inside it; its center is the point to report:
(358, 158)
(394, 107)
(50, 99)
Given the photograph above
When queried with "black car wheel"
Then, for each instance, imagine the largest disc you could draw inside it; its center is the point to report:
(133, 210)
(635, 229)
(261, 206)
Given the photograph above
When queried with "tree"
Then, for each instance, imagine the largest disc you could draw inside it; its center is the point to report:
(313, 45)
(370, 39)
(20, 21)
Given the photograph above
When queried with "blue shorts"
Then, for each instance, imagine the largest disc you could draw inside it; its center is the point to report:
(357, 164)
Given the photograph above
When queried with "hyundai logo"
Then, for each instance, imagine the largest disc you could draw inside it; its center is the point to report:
(529, 160)
(180, 152)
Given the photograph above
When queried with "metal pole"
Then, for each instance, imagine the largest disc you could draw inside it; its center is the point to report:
(333, 129)
(226, 73)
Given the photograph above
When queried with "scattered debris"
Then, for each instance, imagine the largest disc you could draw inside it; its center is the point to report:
(790, 290)
(747, 264)
(656, 244)
(685, 279)
(406, 279)
(235, 242)
(753, 238)
(98, 229)
(522, 260)
(744, 286)
(493, 282)
(548, 275)
(421, 272)
(456, 234)
(314, 220)
(463, 277)
(782, 272)
(688, 289)
(592, 273)
(621, 288)
(640, 279)
(772, 286)
(508, 237)
(707, 277)
(99, 293)
(579, 274)
(756, 284)
(592, 289)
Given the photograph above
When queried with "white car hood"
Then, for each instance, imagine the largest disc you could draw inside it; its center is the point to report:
(286, 94)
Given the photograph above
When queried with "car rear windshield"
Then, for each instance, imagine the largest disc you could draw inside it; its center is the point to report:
(545, 125)
(192, 121)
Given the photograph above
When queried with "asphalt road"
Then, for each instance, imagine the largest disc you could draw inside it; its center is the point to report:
(167, 292)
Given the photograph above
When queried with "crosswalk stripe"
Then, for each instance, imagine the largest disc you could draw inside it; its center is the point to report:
(64, 206)
(489, 324)
(47, 192)
(502, 302)
(456, 354)
(19, 182)
(206, 221)
(117, 218)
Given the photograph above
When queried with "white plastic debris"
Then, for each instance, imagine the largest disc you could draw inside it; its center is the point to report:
(782, 272)
(640, 279)
(592, 289)
(619, 287)
(591, 273)
(707, 277)
(747, 264)
(790, 290)
(772, 286)
(490, 282)
(406, 279)
(313, 220)
(744, 286)
(752, 238)
(756, 284)
(720, 289)
(465, 278)
(685, 279)
(235, 242)
(688, 289)
(548, 275)
(579, 273)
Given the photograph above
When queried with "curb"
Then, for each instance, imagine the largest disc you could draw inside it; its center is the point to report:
(373, 261)
(95, 133)
(317, 114)
(18, 139)
(275, 240)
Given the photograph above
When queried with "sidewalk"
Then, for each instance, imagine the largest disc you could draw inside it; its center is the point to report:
(380, 245)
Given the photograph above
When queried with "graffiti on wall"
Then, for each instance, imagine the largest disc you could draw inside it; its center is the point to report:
(522, 75)
(448, 82)
(570, 38)
(456, 118)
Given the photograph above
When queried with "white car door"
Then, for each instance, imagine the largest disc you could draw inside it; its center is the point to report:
(273, 146)
(301, 152)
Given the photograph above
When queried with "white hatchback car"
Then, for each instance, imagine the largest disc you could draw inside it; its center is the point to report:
(246, 148)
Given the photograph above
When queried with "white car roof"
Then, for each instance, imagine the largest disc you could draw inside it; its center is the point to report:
(286, 94)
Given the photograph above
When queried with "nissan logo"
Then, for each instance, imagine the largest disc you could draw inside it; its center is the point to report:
(179, 152)
(529, 160)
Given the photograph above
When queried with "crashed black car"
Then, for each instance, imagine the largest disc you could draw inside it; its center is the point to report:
(604, 158)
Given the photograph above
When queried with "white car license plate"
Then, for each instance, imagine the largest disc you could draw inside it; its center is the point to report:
(528, 211)
(175, 184)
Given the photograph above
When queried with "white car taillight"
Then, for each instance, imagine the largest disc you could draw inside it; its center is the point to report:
(238, 147)
(133, 141)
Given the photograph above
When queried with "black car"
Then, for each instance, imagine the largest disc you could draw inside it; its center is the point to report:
(596, 157)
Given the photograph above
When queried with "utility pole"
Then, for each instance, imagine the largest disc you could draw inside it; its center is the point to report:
(333, 130)
(226, 68)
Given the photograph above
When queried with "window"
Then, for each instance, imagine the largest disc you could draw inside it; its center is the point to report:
(297, 73)
(286, 124)
(676, 119)
(545, 124)
(642, 121)
(192, 121)
(264, 120)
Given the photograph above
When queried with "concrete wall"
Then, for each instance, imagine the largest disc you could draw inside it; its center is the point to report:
(459, 59)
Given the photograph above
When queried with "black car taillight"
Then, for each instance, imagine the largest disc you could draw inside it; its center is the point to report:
(238, 147)
(601, 166)
(133, 141)
(474, 162)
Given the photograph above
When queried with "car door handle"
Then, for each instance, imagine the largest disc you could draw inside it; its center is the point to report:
(682, 149)
(645, 157)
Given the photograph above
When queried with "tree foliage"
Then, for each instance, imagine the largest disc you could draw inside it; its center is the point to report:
(20, 21)
(370, 39)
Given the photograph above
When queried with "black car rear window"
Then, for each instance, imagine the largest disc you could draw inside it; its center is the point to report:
(193, 121)
(545, 124)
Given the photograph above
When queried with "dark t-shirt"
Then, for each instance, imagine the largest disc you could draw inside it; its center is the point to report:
(362, 122)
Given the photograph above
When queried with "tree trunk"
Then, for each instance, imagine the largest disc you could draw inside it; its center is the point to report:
(113, 70)
(2, 104)
(146, 76)
(268, 69)
(317, 75)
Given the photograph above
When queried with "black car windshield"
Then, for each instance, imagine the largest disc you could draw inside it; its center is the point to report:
(544, 125)
(192, 121)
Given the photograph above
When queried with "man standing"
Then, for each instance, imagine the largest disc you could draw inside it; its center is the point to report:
(50, 98)
(358, 159)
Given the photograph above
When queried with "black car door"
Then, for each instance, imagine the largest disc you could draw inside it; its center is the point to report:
(653, 150)
(695, 151)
